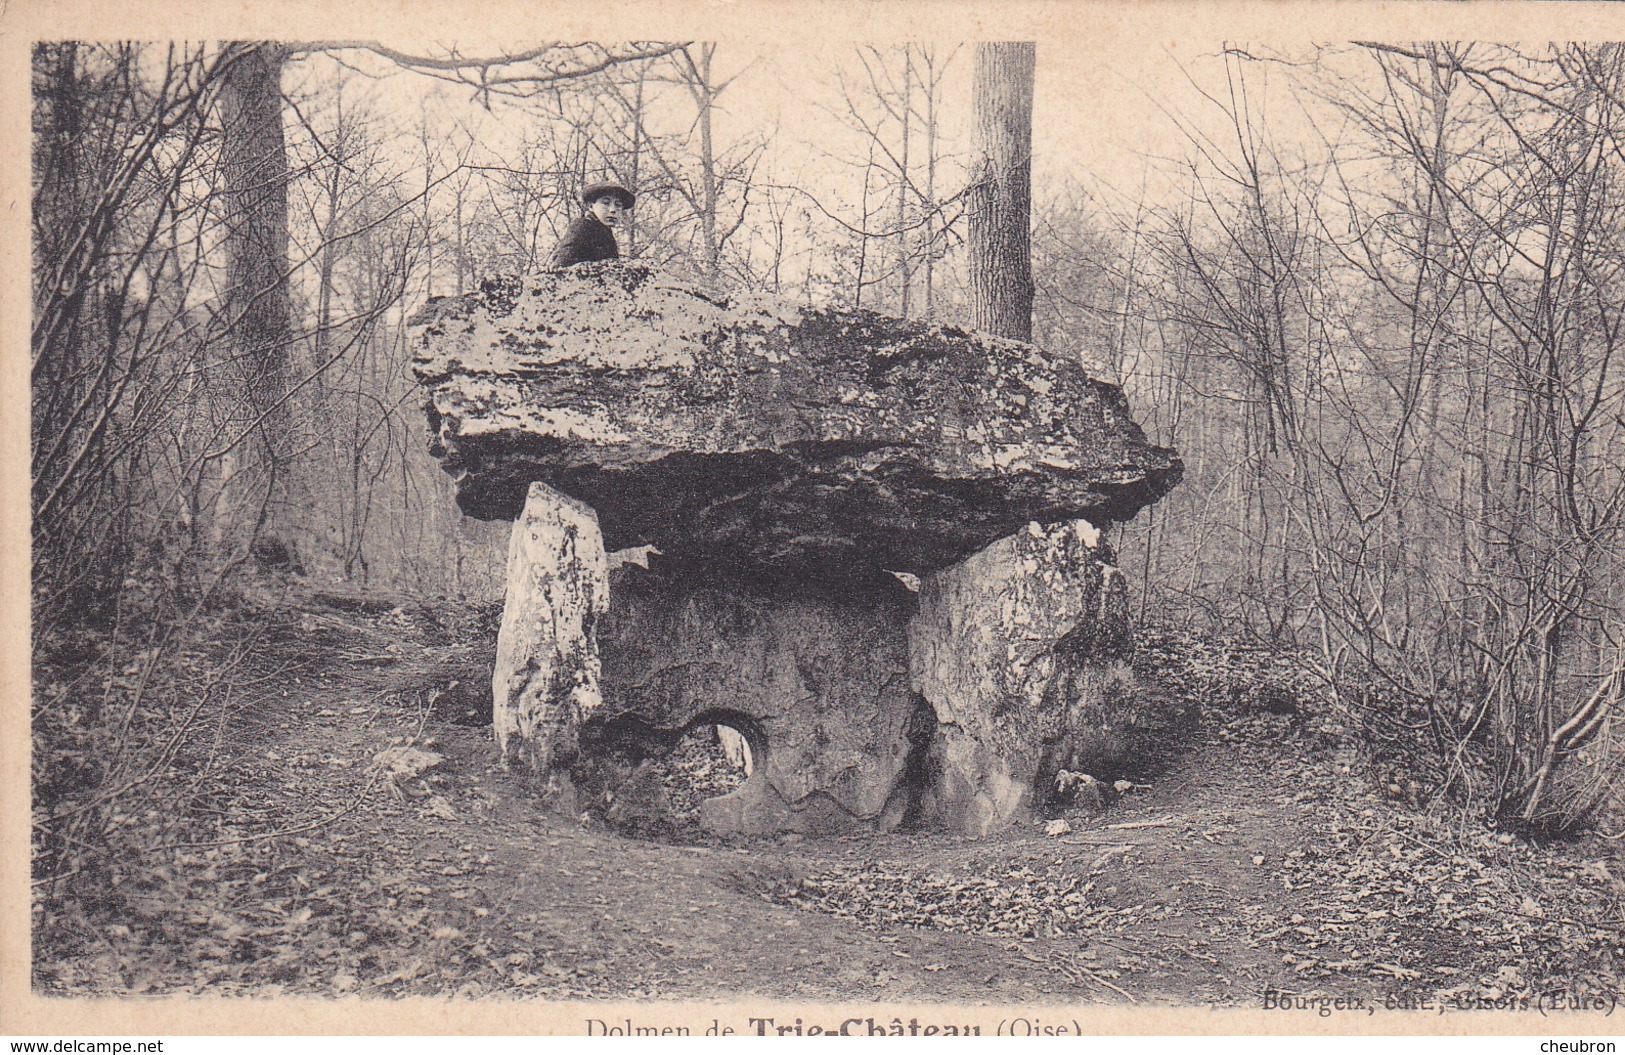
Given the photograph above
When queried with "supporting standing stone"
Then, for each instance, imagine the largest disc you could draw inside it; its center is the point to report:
(1019, 650)
(547, 667)
(816, 679)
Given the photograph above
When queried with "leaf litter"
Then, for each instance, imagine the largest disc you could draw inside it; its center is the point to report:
(337, 848)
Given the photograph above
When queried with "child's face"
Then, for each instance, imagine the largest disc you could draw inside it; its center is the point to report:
(607, 208)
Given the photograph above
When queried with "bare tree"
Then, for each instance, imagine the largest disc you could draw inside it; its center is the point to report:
(881, 247)
(258, 315)
(696, 191)
(1396, 358)
(117, 229)
(1000, 192)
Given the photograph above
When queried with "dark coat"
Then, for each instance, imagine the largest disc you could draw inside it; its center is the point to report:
(585, 239)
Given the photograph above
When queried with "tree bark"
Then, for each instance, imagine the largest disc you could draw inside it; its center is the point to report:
(1000, 195)
(903, 185)
(705, 94)
(254, 167)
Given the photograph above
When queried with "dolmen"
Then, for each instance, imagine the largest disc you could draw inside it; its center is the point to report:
(870, 546)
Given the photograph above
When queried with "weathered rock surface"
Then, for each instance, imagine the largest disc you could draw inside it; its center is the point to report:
(800, 442)
(789, 466)
(815, 680)
(1020, 652)
(546, 679)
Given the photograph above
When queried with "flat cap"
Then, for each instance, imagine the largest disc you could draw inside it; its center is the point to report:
(598, 190)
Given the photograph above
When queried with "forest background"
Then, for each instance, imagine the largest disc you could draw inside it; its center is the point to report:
(1371, 292)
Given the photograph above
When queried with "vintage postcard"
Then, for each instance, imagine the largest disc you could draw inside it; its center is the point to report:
(757, 519)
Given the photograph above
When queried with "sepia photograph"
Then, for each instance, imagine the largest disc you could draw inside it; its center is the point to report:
(768, 520)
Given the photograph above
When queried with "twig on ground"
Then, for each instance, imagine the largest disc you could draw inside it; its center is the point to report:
(282, 833)
(1202, 956)
(350, 807)
(1078, 971)
(1085, 841)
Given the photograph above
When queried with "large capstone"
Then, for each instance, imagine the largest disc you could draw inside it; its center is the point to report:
(799, 442)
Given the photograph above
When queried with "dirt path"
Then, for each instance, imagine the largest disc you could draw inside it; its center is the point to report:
(410, 863)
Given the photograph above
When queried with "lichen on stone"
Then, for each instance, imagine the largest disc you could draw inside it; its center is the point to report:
(799, 440)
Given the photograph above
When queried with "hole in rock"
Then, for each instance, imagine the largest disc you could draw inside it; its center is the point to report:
(649, 781)
(710, 760)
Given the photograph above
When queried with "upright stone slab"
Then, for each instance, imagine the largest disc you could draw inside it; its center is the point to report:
(1019, 650)
(547, 667)
(815, 679)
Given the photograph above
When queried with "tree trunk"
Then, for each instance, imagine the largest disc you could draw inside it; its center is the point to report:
(705, 94)
(629, 224)
(931, 249)
(903, 185)
(254, 164)
(1000, 195)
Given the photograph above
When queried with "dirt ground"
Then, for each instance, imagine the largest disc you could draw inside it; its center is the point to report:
(360, 840)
